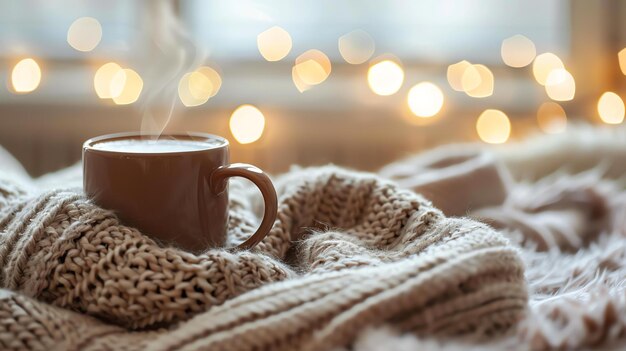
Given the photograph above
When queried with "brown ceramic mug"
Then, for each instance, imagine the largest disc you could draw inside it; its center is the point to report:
(172, 187)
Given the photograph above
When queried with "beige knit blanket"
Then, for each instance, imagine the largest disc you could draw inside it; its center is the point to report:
(353, 262)
(348, 250)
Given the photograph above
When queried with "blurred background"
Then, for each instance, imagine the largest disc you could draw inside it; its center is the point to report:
(351, 82)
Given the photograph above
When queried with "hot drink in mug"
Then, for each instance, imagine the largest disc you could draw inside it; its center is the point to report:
(172, 187)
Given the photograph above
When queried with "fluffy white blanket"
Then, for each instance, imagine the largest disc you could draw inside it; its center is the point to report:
(562, 199)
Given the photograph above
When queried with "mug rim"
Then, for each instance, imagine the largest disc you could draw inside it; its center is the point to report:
(89, 145)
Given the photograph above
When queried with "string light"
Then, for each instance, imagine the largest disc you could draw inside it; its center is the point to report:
(455, 74)
(356, 47)
(493, 127)
(274, 44)
(477, 81)
(312, 67)
(103, 77)
(551, 118)
(518, 51)
(126, 86)
(425, 99)
(622, 60)
(84, 34)
(560, 85)
(544, 64)
(385, 77)
(611, 108)
(247, 124)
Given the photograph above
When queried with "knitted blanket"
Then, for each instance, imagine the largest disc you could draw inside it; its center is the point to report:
(348, 250)
(353, 262)
(562, 202)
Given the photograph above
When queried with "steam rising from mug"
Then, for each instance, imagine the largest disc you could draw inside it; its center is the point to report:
(176, 54)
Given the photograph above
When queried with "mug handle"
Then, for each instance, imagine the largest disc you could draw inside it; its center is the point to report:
(218, 182)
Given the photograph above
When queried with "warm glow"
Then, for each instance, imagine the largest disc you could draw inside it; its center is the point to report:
(126, 87)
(84, 34)
(471, 78)
(455, 74)
(518, 51)
(214, 78)
(310, 72)
(493, 127)
(622, 60)
(247, 124)
(103, 77)
(544, 64)
(26, 76)
(385, 77)
(274, 44)
(200, 85)
(425, 99)
(300, 85)
(313, 67)
(560, 85)
(611, 108)
(551, 118)
(118, 81)
(194, 89)
(477, 81)
(356, 47)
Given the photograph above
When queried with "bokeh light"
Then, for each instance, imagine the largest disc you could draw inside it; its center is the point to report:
(471, 78)
(313, 67)
(477, 81)
(493, 127)
(274, 44)
(551, 118)
(356, 47)
(385, 77)
(425, 99)
(518, 51)
(247, 124)
(544, 64)
(118, 81)
(126, 86)
(560, 85)
(300, 85)
(84, 34)
(194, 89)
(311, 72)
(200, 85)
(103, 77)
(455, 74)
(214, 77)
(622, 60)
(611, 108)
(26, 76)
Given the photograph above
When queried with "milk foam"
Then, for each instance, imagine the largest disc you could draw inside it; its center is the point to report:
(155, 146)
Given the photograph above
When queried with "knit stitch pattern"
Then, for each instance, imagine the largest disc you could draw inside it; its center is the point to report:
(348, 250)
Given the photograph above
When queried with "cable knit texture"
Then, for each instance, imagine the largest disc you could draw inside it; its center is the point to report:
(348, 250)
